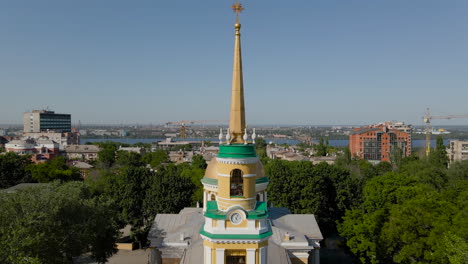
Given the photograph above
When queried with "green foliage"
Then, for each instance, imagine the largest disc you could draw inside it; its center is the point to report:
(106, 156)
(128, 158)
(128, 189)
(199, 162)
(55, 169)
(396, 157)
(439, 155)
(324, 190)
(168, 191)
(456, 248)
(321, 149)
(195, 174)
(260, 147)
(140, 193)
(411, 216)
(344, 159)
(156, 158)
(54, 223)
(13, 169)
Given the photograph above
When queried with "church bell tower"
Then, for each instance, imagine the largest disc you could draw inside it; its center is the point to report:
(236, 227)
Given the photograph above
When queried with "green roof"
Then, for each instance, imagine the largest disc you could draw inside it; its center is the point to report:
(213, 212)
(237, 151)
(262, 180)
(209, 181)
(231, 236)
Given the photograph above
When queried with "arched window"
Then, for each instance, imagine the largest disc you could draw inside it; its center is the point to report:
(236, 183)
(213, 197)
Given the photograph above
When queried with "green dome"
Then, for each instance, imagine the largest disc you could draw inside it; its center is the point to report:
(237, 151)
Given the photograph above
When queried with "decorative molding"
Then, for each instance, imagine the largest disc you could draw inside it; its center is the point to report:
(261, 186)
(210, 186)
(237, 199)
(234, 241)
(229, 175)
(237, 161)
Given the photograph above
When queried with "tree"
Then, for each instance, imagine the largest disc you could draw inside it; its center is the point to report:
(168, 192)
(156, 158)
(13, 169)
(128, 158)
(405, 216)
(54, 223)
(439, 155)
(321, 148)
(55, 169)
(199, 162)
(415, 228)
(396, 157)
(260, 147)
(106, 156)
(128, 189)
(456, 248)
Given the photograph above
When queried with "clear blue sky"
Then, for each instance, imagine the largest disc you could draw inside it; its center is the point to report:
(310, 62)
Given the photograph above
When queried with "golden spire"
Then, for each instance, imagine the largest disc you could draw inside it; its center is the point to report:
(237, 117)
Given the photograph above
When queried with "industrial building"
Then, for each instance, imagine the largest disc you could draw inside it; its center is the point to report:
(377, 142)
(45, 121)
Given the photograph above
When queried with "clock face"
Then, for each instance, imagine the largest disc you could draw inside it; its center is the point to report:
(236, 218)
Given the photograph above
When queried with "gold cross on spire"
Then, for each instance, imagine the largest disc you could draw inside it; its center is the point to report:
(237, 8)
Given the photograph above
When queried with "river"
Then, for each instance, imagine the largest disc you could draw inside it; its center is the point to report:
(418, 143)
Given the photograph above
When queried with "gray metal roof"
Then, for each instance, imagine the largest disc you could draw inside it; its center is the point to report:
(165, 234)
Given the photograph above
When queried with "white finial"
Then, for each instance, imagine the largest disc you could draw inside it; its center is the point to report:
(220, 136)
(254, 136)
(228, 137)
(246, 136)
(198, 204)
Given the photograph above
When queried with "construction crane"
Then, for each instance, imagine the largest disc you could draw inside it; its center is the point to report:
(183, 123)
(427, 119)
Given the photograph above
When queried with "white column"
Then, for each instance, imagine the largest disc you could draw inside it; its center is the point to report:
(251, 256)
(265, 198)
(263, 255)
(205, 194)
(207, 255)
(220, 255)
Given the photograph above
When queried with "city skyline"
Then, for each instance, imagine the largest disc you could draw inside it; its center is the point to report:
(312, 63)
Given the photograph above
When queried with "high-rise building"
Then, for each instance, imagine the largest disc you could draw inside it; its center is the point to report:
(379, 142)
(457, 150)
(45, 121)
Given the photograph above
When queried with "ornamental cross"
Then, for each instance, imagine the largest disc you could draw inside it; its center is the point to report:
(237, 8)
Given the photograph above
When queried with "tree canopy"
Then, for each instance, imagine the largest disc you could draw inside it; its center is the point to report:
(13, 169)
(54, 223)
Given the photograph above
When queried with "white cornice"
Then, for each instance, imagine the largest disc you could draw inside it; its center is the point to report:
(237, 161)
(234, 241)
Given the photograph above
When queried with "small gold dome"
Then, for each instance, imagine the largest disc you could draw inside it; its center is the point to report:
(260, 170)
(210, 171)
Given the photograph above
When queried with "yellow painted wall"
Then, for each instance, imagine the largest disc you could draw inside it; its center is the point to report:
(299, 260)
